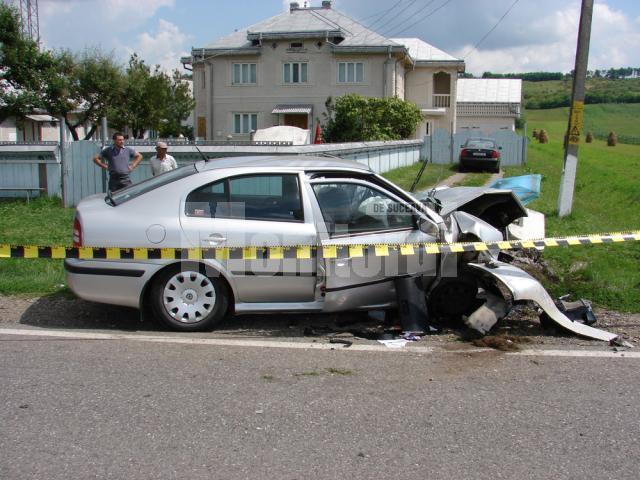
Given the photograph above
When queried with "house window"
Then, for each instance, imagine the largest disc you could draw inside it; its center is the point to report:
(295, 73)
(350, 72)
(245, 123)
(244, 73)
(204, 79)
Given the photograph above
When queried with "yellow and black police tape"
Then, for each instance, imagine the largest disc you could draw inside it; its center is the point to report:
(301, 251)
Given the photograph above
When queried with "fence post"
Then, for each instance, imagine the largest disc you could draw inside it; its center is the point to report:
(451, 158)
(105, 141)
(64, 163)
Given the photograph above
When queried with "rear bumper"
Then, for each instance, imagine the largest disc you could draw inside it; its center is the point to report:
(115, 283)
(479, 163)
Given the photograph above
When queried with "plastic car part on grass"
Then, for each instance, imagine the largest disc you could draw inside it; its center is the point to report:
(524, 287)
(525, 187)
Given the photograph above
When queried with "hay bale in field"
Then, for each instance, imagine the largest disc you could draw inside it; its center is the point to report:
(535, 133)
(612, 139)
(542, 136)
(589, 137)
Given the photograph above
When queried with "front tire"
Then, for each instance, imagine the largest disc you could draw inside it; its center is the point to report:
(187, 300)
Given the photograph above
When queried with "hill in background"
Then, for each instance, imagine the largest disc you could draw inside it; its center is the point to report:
(557, 93)
(621, 118)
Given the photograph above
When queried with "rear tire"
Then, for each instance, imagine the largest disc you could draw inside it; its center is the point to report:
(185, 299)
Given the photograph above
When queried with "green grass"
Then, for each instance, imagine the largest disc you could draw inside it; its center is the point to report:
(404, 176)
(622, 118)
(607, 199)
(473, 180)
(41, 222)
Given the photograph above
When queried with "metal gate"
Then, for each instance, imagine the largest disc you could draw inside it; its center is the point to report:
(443, 148)
(80, 176)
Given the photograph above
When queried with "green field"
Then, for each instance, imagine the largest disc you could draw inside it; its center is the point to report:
(607, 199)
(557, 93)
(622, 118)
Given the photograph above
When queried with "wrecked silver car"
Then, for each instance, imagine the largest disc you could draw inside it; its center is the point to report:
(296, 234)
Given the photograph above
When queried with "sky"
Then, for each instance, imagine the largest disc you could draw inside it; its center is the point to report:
(536, 35)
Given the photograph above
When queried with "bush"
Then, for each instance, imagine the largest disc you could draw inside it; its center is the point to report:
(612, 139)
(356, 118)
(589, 137)
(535, 133)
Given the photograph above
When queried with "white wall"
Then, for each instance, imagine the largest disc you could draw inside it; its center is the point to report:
(8, 130)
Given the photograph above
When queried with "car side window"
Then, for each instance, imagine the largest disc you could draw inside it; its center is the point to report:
(349, 208)
(272, 197)
(208, 201)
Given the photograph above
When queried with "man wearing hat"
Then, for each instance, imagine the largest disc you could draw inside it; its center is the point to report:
(161, 162)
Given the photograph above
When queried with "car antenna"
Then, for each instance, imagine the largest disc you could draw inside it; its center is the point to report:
(195, 144)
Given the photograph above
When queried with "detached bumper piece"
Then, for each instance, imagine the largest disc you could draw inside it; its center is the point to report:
(523, 287)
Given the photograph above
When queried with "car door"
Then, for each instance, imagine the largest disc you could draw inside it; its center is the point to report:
(242, 213)
(353, 213)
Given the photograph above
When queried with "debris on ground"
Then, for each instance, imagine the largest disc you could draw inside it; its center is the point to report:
(396, 343)
(505, 343)
(342, 341)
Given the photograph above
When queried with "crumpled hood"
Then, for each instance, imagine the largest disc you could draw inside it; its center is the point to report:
(496, 207)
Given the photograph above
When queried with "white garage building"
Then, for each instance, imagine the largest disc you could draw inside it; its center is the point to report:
(485, 105)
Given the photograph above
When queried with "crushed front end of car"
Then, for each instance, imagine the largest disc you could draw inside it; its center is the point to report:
(481, 287)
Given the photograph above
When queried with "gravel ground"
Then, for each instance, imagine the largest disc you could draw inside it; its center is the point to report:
(521, 325)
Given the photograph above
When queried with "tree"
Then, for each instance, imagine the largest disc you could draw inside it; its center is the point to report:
(181, 104)
(154, 100)
(24, 69)
(84, 89)
(358, 118)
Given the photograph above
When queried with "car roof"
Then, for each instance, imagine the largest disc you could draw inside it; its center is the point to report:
(480, 139)
(302, 162)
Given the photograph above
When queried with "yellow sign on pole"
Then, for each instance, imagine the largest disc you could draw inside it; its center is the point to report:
(576, 123)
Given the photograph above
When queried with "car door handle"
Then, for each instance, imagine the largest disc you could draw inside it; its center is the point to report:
(215, 239)
(343, 262)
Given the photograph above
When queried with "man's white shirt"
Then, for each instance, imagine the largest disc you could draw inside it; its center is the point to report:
(160, 166)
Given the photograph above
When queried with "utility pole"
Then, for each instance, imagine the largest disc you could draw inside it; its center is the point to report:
(576, 114)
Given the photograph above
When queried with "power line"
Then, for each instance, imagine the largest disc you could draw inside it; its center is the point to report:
(382, 14)
(361, 20)
(392, 19)
(405, 20)
(491, 30)
(425, 17)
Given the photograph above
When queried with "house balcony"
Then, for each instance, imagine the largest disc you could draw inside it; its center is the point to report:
(440, 100)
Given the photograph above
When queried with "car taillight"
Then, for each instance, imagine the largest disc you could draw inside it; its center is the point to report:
(77, 232)
(495, 154)
(463, 152)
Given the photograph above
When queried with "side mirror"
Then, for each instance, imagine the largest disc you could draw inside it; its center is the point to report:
(429, 227)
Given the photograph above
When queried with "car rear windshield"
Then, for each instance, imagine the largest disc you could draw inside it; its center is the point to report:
(480, 144)
(137, 189)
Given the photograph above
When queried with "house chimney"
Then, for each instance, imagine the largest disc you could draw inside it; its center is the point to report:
(294, 6)
(326, 4)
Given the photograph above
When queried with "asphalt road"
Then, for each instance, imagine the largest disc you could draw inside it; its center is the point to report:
(121, 408)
